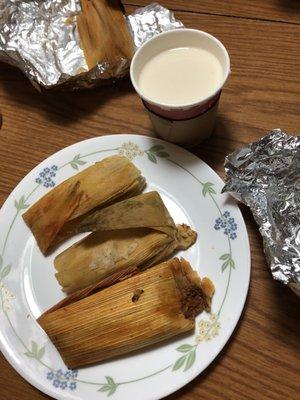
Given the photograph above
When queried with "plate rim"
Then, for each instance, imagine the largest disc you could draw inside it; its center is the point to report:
(130, 136)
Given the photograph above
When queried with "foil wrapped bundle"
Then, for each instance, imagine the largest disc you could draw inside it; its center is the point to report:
(49, 39)
(265, 175)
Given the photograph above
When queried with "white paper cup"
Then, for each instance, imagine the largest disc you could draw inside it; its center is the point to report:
(190, 123)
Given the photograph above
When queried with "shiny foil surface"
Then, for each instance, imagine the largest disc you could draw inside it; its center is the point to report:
(41, 38)
(148, 21)
(265, 175)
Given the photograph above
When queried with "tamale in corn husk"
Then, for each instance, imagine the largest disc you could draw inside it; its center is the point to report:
(104, 34)
(147, 308)
(99, 185)
(129, 236)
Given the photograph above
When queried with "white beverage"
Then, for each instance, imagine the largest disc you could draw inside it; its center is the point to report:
(181, 76)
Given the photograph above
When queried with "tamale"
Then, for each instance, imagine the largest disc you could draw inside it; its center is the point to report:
(104, 34)
(113, 321)
(143, 211)
(99, 185)
(129, 236)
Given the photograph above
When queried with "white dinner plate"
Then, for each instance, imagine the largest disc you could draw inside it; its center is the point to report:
(191, 192)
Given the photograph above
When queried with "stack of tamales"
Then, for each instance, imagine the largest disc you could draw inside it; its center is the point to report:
(116, 303)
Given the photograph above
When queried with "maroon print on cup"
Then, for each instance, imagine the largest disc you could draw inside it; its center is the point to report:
(180, 114)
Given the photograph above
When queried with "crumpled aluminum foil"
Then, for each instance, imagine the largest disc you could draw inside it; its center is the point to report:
(149, 21)
(265, 175)
(41, 38)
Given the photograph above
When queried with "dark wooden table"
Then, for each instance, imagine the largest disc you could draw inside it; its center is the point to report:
(261, 360)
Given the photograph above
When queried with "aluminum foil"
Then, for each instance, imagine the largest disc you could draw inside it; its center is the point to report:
(265, 175)
(149, 21)
(40, 37)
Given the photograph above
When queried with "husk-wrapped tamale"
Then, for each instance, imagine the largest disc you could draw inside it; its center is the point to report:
(128, 236)
(99, 185)
(147, 308)
(104, 34)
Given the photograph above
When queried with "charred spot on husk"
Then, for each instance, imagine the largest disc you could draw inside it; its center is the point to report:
(136, 295)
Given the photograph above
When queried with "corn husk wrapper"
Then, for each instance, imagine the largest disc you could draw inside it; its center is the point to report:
(147, 308)
(99, 185)
(129, 236)
(104, 34)
(42, 39)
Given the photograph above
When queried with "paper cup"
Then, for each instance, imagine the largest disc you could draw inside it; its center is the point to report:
(190, 123)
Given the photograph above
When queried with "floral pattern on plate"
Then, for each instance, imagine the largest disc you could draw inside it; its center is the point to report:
(207, 328)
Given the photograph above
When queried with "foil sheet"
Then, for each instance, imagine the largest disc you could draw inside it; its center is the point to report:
(41, 38)
(265, 175)
(149, 21)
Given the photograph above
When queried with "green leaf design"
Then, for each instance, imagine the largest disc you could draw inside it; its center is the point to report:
(228, 261)
(110, 380)
(41, 352)
(21, 204)
(104, 388)
(163, 154)
(225, 256)
(5, 271)
(74, 165)
(207, 188)
(29, 354)
(156, 148)
(185, 348)
(225, 265)
(110, 386)
(112, 391)
(190, 360)
(76, 162)
(179, 363)
(34, 347)
(152, 157)
(35, 352)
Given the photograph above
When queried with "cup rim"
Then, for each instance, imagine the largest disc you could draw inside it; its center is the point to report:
(183, 105)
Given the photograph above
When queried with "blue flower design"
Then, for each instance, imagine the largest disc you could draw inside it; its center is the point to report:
(56, 383)
(63, 385)
(50, 376)
(46, 176)
(72, 385)
(67, 375)
(74, 373)
(63, 379)
(227, 224)
(59, 373)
